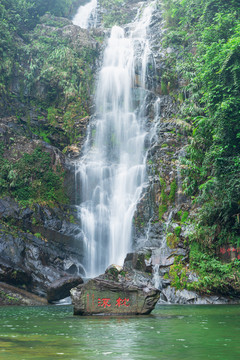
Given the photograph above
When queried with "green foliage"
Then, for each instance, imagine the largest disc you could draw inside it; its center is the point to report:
(148, 255)
(173, 189)
(7, 297)
(213, 274)
(206, 37)
(52, 114)
(42, 133)
(65, 72)
(178, 274)
(34, 221)
(184, 217)
(72, 219)
(55, 64)
(18, 17)
(122, 273)
(32, 179)
(115, 14)
(162, 182)
(177, 230)
(165, 198)
(22, 14)
(161, 210)
(172, 240)
(164, 90)
(38, 235)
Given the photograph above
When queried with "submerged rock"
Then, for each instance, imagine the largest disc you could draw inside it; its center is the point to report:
(104, 296)
(60, 288)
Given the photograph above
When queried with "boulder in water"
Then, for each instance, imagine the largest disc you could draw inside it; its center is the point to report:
(109, 297)
(60, 288)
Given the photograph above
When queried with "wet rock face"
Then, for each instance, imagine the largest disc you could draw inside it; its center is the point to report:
(52, 225)
(31, 262)
(139, 261)
(104, 296)
(173, 296)
(38, 247)
(60, 288)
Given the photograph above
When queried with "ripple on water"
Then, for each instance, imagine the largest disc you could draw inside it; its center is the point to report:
(176, 336)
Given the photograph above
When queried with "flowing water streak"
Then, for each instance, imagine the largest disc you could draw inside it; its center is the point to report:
(86, 15)
(111, 172)
(161, 253)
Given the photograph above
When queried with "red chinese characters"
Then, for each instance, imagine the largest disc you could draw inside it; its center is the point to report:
(122, 302)
(230, 249)
(222, 250)
(104, 302)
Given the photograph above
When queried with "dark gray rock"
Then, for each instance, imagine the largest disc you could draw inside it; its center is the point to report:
(8, 208)
(14, 275)
(138, 261)
(33, 262)
(60, 288)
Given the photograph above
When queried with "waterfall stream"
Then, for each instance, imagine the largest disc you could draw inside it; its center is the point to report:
(111, 173)
(160, 255)
(86, 16)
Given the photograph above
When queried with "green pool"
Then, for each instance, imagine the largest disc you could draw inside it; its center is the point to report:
(171, 332)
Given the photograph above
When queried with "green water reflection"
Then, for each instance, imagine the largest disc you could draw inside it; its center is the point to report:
(171, 332)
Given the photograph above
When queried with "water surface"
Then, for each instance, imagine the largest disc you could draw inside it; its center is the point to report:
(171, 332)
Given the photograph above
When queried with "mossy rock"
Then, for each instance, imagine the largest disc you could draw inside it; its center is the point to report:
(113, 271)
(172, 240)
(177, 230)
(161, 211)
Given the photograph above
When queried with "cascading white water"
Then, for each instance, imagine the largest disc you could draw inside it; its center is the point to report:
(111, 172)
(86, 15)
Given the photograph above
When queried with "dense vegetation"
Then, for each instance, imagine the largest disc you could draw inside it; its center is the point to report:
(19, 16)
(114, 14)
(46, 80)
(43, 67)
(205, 35)
(32, 178)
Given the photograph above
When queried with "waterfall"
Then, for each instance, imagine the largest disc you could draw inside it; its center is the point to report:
(111, 173)
(86, 16)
